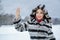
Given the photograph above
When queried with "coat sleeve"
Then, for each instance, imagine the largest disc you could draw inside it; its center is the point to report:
(19, 25)
(50, 33)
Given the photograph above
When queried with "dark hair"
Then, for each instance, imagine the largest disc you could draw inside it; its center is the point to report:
(46, 16)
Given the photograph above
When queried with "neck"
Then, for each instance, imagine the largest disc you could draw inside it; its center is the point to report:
(39, 20)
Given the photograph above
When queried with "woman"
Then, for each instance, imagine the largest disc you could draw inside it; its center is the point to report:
(38, 25)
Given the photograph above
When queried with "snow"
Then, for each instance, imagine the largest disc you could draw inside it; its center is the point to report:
(56, 31)
(8, 32)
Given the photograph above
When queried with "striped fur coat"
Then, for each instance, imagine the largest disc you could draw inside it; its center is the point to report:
(37, 31)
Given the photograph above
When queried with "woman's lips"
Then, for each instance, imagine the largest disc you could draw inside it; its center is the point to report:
(39, 17)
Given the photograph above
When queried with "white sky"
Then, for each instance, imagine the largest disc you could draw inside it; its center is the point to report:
(53, 6)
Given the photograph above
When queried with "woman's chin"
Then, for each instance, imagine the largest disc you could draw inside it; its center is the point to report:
(39, 18)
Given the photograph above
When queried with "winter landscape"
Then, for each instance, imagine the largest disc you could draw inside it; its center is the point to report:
(7, 14)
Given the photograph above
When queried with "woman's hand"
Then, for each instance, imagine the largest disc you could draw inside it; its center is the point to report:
(17, 13)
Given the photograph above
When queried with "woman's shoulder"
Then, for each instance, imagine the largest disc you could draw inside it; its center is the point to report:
(48, 23)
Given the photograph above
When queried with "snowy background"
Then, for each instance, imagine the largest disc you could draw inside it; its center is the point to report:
(8, 32)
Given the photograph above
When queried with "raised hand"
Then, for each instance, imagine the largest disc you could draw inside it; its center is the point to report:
(17, 13)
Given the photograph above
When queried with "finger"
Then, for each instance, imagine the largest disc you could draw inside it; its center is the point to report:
(17, 13)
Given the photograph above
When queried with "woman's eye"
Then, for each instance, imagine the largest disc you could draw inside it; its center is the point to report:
(41, 12)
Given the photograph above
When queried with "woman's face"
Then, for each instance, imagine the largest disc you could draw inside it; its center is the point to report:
(39, 14)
